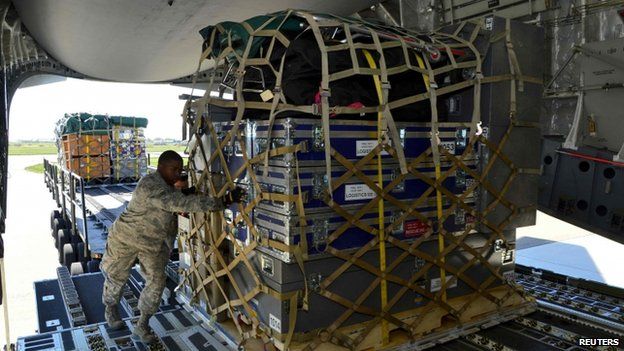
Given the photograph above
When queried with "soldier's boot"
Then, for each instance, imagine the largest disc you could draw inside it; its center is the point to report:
(111, 314)
(143, 332)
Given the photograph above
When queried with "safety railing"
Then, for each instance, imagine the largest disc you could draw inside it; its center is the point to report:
(68, 190)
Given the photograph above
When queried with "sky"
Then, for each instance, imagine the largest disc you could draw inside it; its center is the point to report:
(35, 110)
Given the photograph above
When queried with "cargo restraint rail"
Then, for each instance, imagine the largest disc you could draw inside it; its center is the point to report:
(68, 190)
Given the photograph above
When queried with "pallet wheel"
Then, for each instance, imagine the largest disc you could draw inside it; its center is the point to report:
(69, 254)
(66, 237)
(63, 238)
(54, 215)
(93, 266)
(58, 223)
(76, 268)
(55, 236)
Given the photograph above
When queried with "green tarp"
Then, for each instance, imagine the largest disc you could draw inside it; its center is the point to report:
(136, 122)
(83, 123)
(239, 35)
(86, 123)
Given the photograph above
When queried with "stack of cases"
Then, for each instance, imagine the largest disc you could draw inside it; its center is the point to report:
(128, 156)
(280, 221)
(283, 278)
(87, 155)
(354, 139)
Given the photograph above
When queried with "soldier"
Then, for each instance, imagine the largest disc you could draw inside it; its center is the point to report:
(146, 230)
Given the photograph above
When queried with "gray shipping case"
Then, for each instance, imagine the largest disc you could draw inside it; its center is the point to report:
(284, 277)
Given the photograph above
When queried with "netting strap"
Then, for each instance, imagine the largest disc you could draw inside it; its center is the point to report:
(301, 251)
(324, 93)
(514, 66)
(387, 119)
(277, 93)
(382, 96)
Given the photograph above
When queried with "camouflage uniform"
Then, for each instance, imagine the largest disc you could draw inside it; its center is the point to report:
(146, 230)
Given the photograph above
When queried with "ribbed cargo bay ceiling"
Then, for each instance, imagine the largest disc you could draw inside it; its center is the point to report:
(143, 40)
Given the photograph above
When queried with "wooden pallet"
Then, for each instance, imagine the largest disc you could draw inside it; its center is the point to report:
(436, 322)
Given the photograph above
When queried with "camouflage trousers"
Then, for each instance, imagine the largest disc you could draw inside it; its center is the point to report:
(116, 265)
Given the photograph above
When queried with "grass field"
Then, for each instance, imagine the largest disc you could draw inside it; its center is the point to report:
(36, 148)
(38, 168)
(153, 161)
(49, 148)
(161, 148)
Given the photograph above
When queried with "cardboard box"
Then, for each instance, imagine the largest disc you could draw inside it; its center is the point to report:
(75, 145)
(89, 167)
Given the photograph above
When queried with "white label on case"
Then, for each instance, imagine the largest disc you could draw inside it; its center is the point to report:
(364, 147)
(436, 283)
(275, 323)
(354, 192)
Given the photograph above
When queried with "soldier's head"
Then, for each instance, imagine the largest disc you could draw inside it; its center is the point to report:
(170, 166)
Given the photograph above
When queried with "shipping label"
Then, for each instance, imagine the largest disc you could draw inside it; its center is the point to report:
(354, 192)
(275, 323)
(414, 228)
(436, 283)
(364, 147)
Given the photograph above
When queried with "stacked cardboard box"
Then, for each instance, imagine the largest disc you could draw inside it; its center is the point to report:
(76, 145)
(87, 155)
(89, 166)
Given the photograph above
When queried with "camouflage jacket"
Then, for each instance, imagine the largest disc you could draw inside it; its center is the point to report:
(150, 219)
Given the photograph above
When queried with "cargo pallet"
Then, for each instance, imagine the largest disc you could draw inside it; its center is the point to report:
(451, 150)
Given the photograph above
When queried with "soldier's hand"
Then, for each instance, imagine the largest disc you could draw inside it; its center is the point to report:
(182, 181)
(180, 184)
(189, 191)
(236, 195)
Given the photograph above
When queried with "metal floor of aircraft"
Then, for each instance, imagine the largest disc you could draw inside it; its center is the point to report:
(568, 309)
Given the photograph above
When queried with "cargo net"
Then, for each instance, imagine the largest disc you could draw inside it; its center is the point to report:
(360, 301)
(102, 149)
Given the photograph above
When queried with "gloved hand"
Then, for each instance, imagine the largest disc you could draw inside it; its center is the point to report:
(189, 191)
(235, 195)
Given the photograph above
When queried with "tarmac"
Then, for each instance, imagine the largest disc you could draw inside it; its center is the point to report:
(29, 253)
(561, 247)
